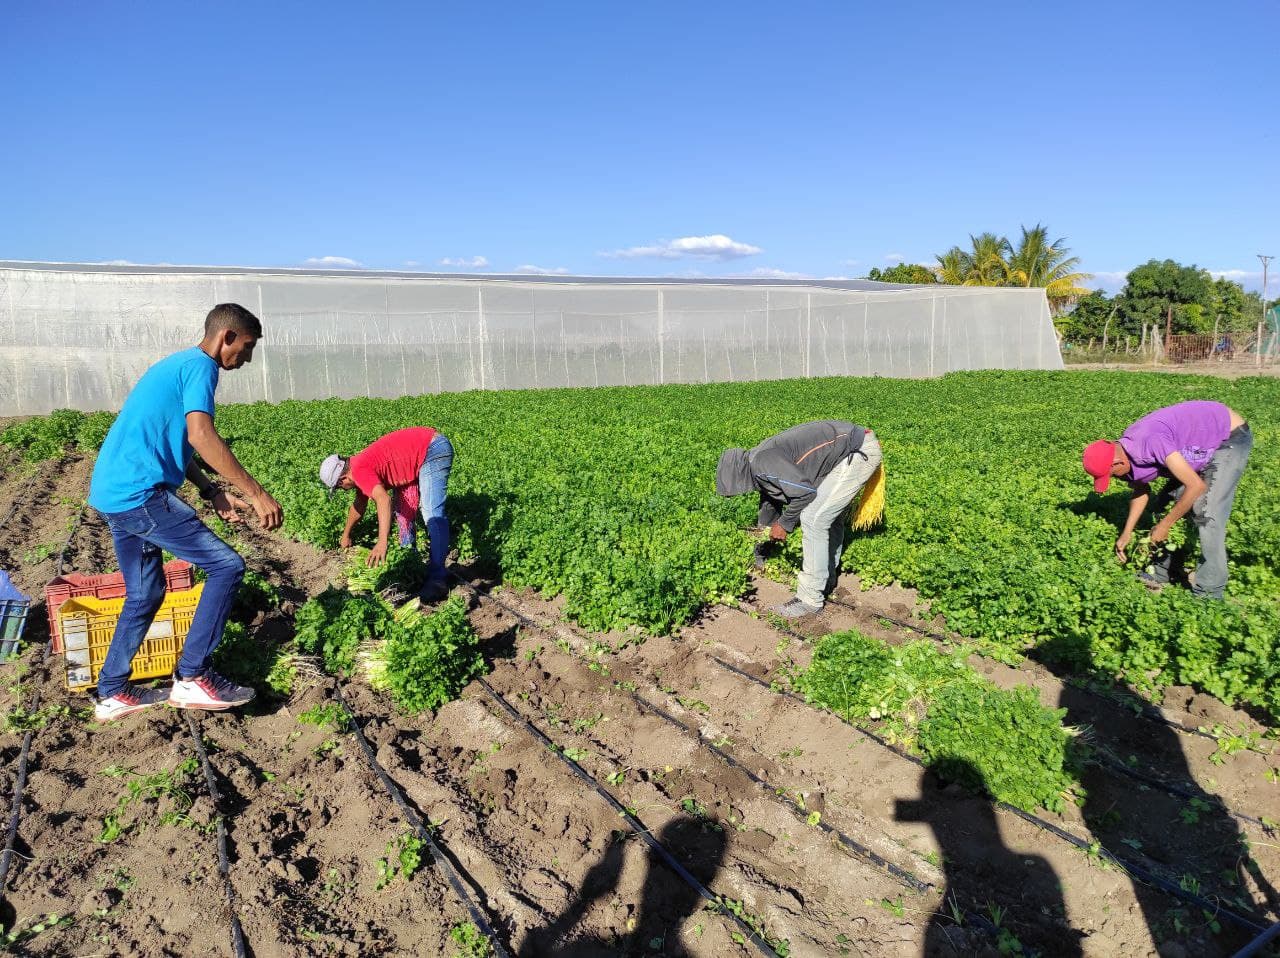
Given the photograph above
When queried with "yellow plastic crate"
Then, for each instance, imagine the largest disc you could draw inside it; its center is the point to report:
(87, 625)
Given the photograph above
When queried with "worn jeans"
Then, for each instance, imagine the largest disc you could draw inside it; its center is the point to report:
(166, 522)
(823, 522)
(433, 488)
(1211, 512)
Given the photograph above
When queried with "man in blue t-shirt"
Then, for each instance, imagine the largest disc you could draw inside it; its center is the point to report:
(146, 456)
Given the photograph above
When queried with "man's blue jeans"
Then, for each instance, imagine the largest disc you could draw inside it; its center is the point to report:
(166, 522)
(433, 489)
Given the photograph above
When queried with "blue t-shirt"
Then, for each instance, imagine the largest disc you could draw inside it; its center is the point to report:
(147, 447)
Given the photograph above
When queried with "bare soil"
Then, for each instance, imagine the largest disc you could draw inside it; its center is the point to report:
(548, 860)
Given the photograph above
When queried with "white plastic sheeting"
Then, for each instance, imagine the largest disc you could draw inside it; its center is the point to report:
(79, 336)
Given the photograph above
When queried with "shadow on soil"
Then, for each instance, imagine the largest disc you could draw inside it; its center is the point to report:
(1193, 842)
(665, 904)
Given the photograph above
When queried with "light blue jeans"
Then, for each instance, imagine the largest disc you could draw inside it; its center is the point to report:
(433, 490)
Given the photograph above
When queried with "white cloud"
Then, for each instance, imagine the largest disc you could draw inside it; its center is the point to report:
(1238, 275)
(894, 258)
(411, 263)
(768, 272)
(465, 262)
(1112, 281)
(716, 246)
(332, 262)
(851, 262)
(531, 270)
(117, 262)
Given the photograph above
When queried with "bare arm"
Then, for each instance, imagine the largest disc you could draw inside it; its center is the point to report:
(382, 499)
(1137, 505)
(224, 504)
(214, 451)
(1193, 488)
(354, 515)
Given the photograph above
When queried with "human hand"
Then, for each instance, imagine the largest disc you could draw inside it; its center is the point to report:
(269, 512)
(228, 506)
(377, 555)
(1160, 533)
(345, 541)
(1122, 543)
(777, 533)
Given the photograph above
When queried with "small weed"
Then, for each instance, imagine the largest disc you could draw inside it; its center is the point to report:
(781, 946)
(1192, 811)
(575, 754)
(325, 747)
(327, 713)
(404, 857)
(140, 789)
(1272, 775)
(15, 935)
(470, 941)
(20, 720)
(814, 819)
(616, 778)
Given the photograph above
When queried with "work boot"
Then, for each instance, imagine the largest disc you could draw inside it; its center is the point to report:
(796, 609)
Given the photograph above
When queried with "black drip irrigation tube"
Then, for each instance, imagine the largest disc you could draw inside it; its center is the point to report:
(1269, 937)
(636, 826)
(224, 862)
(20, 779)
(1145, 711)
(903, 876)
(1249, 923)
(415, 821)
(1102, 761)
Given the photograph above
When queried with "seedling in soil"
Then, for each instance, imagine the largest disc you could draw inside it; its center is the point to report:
(896, 908)
(575, 754)
(616, 778)
(404, 857)
(20, 720)
(813, 819)
(581, 725)
(15, 935)
(531, 654)
(781, 946)
(1191, 812)
(470, 941)
(326, 713)
(625, 686)
(325, 747)
(140, 789)
(1272, 775)
(1230, 742)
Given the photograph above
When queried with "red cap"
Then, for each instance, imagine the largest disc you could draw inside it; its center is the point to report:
(1098, 458)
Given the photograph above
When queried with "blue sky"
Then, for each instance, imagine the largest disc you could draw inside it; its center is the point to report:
(644, 139)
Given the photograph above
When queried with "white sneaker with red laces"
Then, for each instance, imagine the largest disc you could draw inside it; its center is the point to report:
(210, 691)
(132, 698)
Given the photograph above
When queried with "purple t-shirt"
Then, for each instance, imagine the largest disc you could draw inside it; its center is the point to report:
(1196, 429)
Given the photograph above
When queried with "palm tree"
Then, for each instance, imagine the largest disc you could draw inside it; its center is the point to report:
(982, 265)
(1037, 262)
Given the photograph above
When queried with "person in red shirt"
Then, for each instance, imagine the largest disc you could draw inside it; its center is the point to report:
(402, 472)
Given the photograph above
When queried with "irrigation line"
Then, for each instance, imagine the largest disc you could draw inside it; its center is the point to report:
(1249, 923)
(1112, 765)
(20, 780)
(632, 822)
(1145, 710)
(415, 820)
(22, 496)
(224, 864)
(903, 876)
(1268, 937)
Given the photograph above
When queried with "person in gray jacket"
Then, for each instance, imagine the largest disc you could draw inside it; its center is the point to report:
(806, 476)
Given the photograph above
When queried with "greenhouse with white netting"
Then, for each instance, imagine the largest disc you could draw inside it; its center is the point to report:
(79, 336)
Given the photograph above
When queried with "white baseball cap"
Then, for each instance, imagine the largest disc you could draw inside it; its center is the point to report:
(331, 471)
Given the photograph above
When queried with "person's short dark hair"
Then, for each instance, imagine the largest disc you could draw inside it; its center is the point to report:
(232, 316)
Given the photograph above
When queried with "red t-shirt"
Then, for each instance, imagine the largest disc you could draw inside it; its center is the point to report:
(392, 461)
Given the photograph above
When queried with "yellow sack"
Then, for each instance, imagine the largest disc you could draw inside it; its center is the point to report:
(870, 509)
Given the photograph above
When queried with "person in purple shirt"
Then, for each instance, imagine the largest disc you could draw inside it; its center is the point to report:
(1201, 448)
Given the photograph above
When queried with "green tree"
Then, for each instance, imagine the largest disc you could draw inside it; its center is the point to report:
(1168, 295)
(903, 273)
(985, 263)
(1087, 318)
(1037, 262)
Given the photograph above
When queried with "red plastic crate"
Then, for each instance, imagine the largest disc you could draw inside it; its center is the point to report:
(178, 576)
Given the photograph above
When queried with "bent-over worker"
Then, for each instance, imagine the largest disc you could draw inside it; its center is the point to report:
(806, 476)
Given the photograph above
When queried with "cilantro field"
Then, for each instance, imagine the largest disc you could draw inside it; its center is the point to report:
(878, 782)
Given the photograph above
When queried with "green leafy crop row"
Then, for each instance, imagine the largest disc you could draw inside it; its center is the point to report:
(606, 497)
(1002, 742)
(48, 437)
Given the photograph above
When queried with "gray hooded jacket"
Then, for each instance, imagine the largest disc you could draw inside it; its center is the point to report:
(787, 469)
